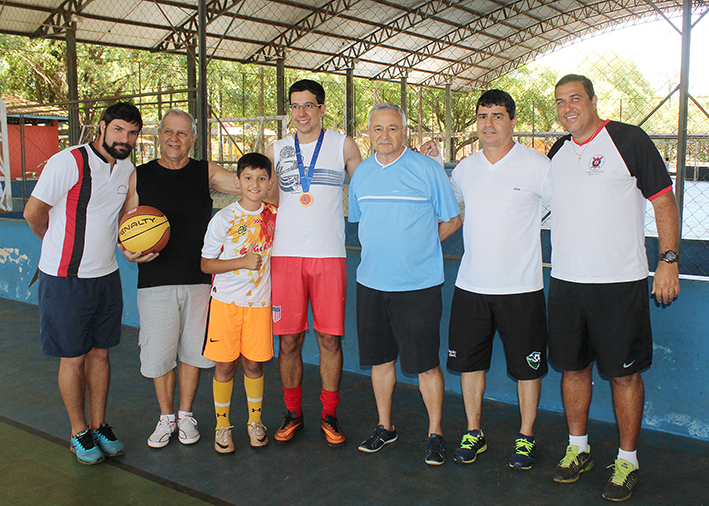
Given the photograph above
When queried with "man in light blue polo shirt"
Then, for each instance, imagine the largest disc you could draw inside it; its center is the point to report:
(398, 197)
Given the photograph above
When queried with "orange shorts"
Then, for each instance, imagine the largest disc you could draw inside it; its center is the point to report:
(235, 330)
(294, 280)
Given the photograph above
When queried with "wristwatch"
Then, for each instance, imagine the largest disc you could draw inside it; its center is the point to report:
(668, 256)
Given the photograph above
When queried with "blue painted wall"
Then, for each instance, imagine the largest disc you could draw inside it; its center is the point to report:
(676, 401)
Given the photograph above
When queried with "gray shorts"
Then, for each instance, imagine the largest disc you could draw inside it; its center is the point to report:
(173, 319)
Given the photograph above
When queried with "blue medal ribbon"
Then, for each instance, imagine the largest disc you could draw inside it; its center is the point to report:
(306, 180)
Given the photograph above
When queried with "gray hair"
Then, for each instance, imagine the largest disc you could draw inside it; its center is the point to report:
(387, 107)
(184, 114)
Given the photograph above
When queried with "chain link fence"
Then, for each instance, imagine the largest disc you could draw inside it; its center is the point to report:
(242, 108)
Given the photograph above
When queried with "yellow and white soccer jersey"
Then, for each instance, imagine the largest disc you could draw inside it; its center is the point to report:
(231, 233)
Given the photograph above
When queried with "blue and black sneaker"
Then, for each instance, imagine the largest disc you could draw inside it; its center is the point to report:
(103, 438)
(82, 445)
(473, 442)
(525, 452)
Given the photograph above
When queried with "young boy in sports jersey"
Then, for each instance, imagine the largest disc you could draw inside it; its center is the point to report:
(237, 250)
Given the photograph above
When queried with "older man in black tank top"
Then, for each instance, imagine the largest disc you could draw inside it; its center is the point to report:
(173, 293)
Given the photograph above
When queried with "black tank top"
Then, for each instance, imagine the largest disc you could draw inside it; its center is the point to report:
(183, 196)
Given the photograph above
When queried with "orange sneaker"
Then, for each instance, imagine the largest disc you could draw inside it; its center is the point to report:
(291, 425)
(333, 434)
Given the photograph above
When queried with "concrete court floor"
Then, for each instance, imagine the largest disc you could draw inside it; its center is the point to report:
(39, 469)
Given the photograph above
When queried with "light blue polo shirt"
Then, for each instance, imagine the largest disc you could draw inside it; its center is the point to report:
(398, 207)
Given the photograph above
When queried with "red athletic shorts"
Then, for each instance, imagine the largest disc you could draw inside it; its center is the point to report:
(323, 281)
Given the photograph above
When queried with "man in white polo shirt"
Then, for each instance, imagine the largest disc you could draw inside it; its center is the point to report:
(74, 210)
(603, 173)
(500, 285)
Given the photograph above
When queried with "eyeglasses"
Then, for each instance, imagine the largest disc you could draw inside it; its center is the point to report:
(308, 106)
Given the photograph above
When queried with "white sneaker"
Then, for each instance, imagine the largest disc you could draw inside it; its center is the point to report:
(161, 436)
(188, 430)
(257, 434)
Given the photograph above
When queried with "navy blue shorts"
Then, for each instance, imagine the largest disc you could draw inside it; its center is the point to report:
(78, 314)
(405, 324)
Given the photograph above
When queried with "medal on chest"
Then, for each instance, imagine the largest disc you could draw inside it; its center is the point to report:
(306, 199)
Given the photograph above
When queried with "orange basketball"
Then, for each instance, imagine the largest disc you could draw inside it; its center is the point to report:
(144, 229)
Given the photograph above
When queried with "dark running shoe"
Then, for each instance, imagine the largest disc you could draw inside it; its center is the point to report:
(379, 438)
(435, 450)
(472, 443)
(333, 434)
(573, 464)
(622, 482)
(525, 452)
(109, 445)
(291, 424)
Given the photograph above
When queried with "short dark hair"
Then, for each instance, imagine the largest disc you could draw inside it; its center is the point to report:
(497, 97)
(122, 110)
(313, 87)
(576, 78)
(255, 161)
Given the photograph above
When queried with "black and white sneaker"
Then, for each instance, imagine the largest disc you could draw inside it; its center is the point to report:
(435, 450)
(379, 438)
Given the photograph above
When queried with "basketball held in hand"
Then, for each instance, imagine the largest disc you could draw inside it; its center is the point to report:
(144, 229)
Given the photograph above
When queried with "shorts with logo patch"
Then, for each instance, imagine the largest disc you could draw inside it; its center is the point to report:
(78, 314)
(234, 330)
(606, 322)
(296, 280)
(404, 324)
(519, 318)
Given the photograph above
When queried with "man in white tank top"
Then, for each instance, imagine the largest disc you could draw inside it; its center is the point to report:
(308, 258)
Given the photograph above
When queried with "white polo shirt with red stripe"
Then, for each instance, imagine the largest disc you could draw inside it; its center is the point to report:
(599, 192)
(86, 197)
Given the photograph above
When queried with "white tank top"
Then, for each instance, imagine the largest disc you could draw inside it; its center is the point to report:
(316, 231)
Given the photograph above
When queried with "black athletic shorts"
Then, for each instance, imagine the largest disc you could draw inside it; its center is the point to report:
(521, 321)
(405, 324)
(606, 322)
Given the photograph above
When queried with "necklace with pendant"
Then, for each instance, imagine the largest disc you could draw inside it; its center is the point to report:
(573, 146)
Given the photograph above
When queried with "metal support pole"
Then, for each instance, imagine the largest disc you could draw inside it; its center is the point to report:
(280, 90)
(350, 108)
(404, 96)
(191, 80)
(203, 131)
(683, 108)
(72, 81)
(448, 149)
(420, 126)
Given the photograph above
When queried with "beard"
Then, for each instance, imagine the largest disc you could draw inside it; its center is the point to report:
(118, 154)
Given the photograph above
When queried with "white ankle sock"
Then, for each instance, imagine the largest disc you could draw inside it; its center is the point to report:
(580, 441)
(631, 457)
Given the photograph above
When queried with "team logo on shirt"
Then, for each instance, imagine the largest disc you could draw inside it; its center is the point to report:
(534, 360)
(276, 311)
(595, 164)
(122, 190)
